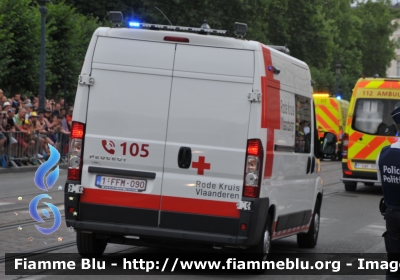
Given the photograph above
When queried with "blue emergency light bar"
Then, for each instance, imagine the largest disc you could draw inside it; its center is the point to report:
(178, 28)
(134, 24)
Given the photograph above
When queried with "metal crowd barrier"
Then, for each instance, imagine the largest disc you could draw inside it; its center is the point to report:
(22, 149)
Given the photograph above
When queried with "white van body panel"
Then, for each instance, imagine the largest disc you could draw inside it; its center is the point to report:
(152, 97)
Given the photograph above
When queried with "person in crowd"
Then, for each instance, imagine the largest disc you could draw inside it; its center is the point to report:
(26, 141)
(43, 125)
(9, 126)
(47, 115)
(62, 103)
(6, 106)
(29, 109)
(10, 122)
(387, 161)
(68, 117)
(64, 133)
(3, 100)
(53, 129)
(20, 117)
(16, 103)
(35, 128)
(57, 109)
(3, 137)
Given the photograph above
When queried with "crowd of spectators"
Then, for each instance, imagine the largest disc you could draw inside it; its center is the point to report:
(25, 131)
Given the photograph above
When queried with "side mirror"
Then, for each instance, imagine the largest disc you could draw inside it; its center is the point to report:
(329, 144)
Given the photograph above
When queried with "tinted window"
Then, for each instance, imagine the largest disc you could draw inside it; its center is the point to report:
(303, 125)
(372, 116)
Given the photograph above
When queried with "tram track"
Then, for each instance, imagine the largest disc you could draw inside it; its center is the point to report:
(8, 226)
(39, 251)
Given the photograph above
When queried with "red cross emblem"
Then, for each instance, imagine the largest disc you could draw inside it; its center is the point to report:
(201, 165)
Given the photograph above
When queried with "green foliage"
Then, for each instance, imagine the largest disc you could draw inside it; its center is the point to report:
(20, 32)
(375, 45)
(320, 32)
(68, 35)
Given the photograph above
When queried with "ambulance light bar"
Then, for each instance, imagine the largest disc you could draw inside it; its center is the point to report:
(321, 94)
(178, 28)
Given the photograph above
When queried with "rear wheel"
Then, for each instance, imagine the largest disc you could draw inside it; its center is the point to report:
(89, 245)
(350, 186)
(310, 239)
(263, 247)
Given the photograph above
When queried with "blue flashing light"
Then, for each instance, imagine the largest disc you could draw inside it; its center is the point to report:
(134, 24)
(338, 97)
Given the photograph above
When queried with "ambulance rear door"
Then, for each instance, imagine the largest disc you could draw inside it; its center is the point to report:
(126, 131)
(206, 139)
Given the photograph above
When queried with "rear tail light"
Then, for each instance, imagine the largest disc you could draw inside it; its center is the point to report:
(253, 168)
(75, 151)
(340, 133)
(345, 145)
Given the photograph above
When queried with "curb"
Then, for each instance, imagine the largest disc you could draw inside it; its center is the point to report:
(25, 168)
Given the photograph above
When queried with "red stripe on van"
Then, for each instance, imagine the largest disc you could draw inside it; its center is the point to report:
(370, 147)
(116, 198)
(200, 206)
(333, 118)
(271, 104)
(325, 125)
(334, 103)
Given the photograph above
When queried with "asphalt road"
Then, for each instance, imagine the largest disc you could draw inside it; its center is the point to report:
(350, 223)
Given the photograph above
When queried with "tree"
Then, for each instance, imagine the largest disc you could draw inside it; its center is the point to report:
(68, 36)
(376, 47)
(345, 52)
(21, 24)
(5, 43)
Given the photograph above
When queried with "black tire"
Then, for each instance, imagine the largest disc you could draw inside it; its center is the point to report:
(350, 186)
(310, 239)
(89, 245)
(263, 247)
(369, 184)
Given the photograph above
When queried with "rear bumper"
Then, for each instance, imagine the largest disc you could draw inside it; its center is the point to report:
(120, 221)
(359, 176)
(143, 231)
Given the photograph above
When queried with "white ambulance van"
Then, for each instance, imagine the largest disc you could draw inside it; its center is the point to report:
(180, 137)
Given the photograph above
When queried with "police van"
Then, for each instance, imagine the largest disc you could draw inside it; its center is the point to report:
(185, 135)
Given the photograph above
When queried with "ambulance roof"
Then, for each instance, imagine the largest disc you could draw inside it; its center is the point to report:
(194, 39)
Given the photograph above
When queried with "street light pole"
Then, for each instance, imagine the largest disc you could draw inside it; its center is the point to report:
(337, 66)
(42, 78)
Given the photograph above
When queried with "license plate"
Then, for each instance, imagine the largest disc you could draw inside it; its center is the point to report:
(121, 184)
(365, 165)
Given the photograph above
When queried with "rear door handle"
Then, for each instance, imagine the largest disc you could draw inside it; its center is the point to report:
(184, 157)
(308, 165)
(312, 165)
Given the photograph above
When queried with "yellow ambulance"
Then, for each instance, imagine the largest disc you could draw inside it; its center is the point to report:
(331, 114)
(369, 128)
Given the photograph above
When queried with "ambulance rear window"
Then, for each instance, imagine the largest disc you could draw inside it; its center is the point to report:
(372, 116)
